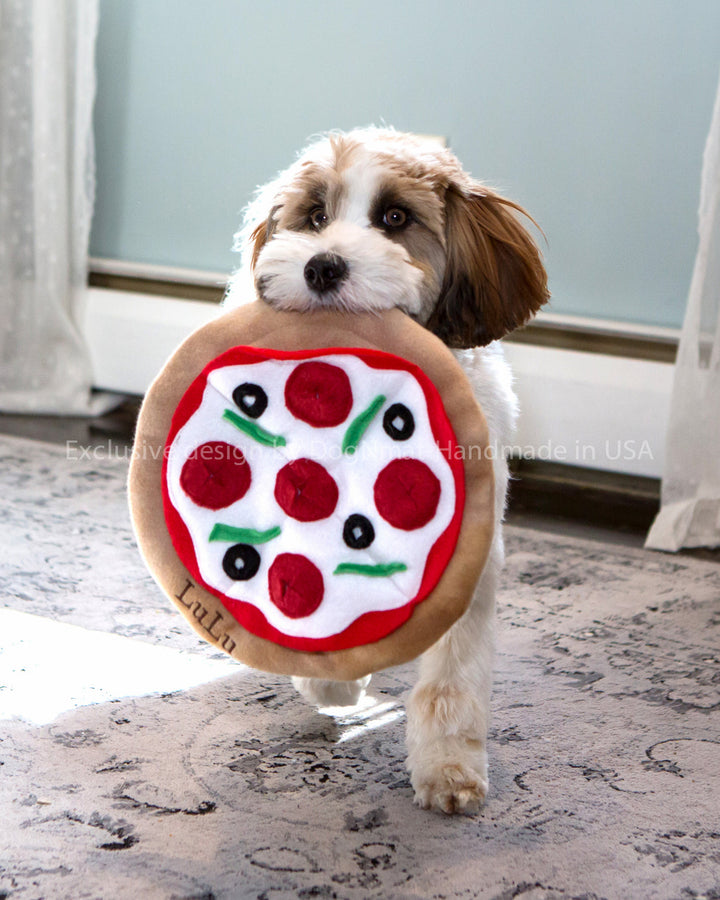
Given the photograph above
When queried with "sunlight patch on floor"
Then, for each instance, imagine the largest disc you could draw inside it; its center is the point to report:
(368, 714)
(47, 668)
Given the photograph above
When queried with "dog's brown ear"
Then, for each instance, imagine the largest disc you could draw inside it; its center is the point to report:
(257, 240)
(258, 236)
(494, 279)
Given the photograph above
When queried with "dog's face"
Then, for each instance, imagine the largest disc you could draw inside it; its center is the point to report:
(375, 219)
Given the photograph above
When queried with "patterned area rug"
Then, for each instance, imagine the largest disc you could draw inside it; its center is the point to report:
(137, 762)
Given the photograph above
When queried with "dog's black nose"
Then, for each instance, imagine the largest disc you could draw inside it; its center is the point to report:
(325, 271)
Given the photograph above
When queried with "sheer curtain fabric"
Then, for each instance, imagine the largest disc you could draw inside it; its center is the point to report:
(690, 512)
(47, 86)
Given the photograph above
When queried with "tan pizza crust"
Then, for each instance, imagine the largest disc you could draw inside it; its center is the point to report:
(259, 325)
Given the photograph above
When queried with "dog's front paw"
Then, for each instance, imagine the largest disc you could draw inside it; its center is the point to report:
(451, 783)
(446, 749)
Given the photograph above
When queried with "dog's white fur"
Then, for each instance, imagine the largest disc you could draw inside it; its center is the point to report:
(463, 265)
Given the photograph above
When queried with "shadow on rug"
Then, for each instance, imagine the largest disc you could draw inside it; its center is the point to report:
(139, 763)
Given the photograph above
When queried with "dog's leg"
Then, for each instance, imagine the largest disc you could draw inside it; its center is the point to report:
(331, 693)
(448, 707)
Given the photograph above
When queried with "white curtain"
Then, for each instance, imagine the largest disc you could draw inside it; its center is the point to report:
(47, 87)
(690, 511)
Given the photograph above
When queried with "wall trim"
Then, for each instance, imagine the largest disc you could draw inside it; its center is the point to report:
(122, 268)
(585, 408)
(160, 281)
(623, 339)
(581, 333)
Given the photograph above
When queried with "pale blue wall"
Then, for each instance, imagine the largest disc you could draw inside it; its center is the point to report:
(592, 113)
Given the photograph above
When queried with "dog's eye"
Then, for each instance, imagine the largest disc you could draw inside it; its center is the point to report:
(395, 217)
(317, 218)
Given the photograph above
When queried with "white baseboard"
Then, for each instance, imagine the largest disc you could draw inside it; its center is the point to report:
(131, 335)
(585, 409)
(592, 410)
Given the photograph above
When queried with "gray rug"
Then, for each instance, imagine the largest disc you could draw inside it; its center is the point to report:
(146, 765)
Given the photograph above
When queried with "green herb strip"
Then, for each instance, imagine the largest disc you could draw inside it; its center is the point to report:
(233, 535)
(254, 431)
(381, 570)
(359, 425)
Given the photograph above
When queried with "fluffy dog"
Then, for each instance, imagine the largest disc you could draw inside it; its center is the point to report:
(373, 219)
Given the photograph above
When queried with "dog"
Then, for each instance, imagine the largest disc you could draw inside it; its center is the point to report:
(373, 219)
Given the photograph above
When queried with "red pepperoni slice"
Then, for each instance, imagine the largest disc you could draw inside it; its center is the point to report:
(306, 491)
(296, 585)
(319, 393)
(407, 493)
(215, 475)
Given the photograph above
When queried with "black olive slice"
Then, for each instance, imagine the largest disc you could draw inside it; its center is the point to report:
(251, 399)
(398, 422)
(358, 532)
(241, 562)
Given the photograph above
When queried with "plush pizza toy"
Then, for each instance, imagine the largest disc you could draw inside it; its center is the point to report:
(313, 490)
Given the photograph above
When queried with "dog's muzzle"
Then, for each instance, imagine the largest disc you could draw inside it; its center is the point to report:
(325, 271)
